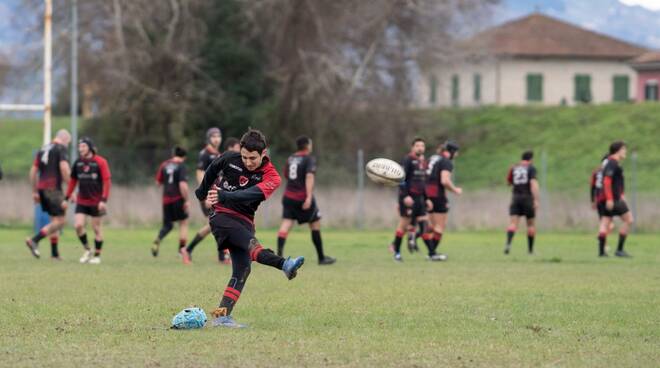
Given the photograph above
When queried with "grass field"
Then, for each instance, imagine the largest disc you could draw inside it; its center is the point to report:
(562, 307)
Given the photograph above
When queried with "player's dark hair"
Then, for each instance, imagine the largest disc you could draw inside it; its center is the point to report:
(254, 140)
(303, 142)
(417, 139)
(231, 141)
(179, 151)
(527, 155)
(616, 146)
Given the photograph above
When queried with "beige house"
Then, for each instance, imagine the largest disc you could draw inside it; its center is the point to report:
(534, 60)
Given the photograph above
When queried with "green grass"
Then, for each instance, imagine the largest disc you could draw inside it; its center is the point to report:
(574, 138)
(563, 307)
(21, 139)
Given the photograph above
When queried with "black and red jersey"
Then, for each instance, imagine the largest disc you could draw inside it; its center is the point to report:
(170, 174)
(297, 167)
(437, 164)
(613, 182)
(206, 157)
(415, 182)
(520, 178)
(47, 162)
(596, 188)
(235, 177)
(93, 179)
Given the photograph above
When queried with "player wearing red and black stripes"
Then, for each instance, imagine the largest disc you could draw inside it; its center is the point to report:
(298, 202)
(91, 174)
(412, 198)
(172, 176)
(246, 179)
(206, 157)
(49, 170)
(438, 183)
(612, 201)
(525, 200)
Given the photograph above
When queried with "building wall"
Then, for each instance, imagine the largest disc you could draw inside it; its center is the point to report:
(642, 78)
(558, 81)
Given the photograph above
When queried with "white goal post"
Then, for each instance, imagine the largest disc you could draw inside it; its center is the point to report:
(45, 107)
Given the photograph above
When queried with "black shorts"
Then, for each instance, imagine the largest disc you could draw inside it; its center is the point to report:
(440, 205)
(231, 232)
(51, 202)
(522, 206)
(620, 208)
(418, 209)
(89, 210)
(174, 211)
(292, 210)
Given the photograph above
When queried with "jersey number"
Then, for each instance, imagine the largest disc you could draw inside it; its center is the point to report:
(519, 176)
(293, 171)
(44, 156)
(434, 160)
(170, 174)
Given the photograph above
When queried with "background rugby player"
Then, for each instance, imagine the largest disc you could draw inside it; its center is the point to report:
(298, 202)
(172, 176)
(525, 199)
(411, 195)
(206, 157)
(91, 174)
(49, 170)
(438, 183)
(612, 203)
(246, 179)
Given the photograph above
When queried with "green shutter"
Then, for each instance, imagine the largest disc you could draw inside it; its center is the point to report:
(534, 87)
(433, 97)
(620, 83)
(582, 88)
(477, 88)
(454, 90)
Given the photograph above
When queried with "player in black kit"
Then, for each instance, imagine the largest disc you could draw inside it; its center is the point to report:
(438, 184)
(412, 198)
(298, 202)
(612, 202)
(172, 176)
(206, 156)
(246, 179)
(49, 170)
(525, 201)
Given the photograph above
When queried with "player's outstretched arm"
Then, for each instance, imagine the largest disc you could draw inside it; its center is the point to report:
(262, 191)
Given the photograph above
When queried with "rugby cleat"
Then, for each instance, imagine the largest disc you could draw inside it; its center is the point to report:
(33, 247)
(291, 266)
(87, 256)
(622, 254)
(439, 257)
(327, 260)
(507, 249)
(185, 256)
(95, 260)
(397, 257)
(227, 322)
(603, 255)
(154, 250)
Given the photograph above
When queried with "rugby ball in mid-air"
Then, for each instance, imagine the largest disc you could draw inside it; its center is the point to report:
(385, 171)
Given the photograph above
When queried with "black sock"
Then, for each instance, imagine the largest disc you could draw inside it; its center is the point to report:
(509, 236)
(182, 244)
(167, 227)
(601, 243)
(83, 241)
(98, 245)
(437, 238)
(267, 257)
(397, 242)
(318, 244)
(38, 236)
(240, 272)
(622, 240)
(280, 245)
(530, 243)
(54, 252)
(194, 243)
(430, 243)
